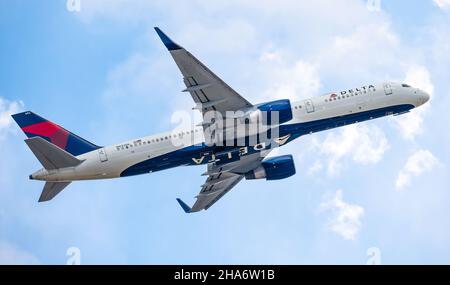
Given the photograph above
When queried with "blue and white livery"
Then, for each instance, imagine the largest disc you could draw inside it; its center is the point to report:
(228, 156)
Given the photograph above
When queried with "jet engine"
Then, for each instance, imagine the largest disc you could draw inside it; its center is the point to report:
(274, 168)
(278, 112)
(270, 113)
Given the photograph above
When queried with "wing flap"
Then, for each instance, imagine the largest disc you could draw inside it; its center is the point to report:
(221, 179)
(211, 194)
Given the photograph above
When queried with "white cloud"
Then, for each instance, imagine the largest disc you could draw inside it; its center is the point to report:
(364, 144)
(411, 124)
(7, 108)
(11, 255)
(346, 218)
(346, 54)
(419, 162)
(133, 76)
(278, 69)
(288, 80)
(316, 167)
(443, 4)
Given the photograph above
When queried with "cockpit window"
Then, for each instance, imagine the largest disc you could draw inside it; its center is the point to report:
(406, 85)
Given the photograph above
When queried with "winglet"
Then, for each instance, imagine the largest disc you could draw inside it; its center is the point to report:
(183, 205)
(170, 45)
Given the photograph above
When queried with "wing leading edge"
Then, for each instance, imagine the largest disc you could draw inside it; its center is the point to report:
(209, 92)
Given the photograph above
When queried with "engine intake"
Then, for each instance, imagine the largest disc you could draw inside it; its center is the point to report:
(274, 168)
(277, 112)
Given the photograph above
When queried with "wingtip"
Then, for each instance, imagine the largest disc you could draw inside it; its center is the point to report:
(183, 205)
(170, 45)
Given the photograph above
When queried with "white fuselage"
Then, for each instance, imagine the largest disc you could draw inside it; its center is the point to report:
(111, 161)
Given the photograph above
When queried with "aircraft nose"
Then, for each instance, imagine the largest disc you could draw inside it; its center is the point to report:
(425, 97)
(422, 97)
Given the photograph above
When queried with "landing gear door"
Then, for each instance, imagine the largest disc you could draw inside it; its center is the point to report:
(309, 106)
(102, 155)
(388, 89)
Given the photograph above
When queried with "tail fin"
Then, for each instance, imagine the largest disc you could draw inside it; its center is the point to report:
(51, 156)
(51, 189)
(35, 126)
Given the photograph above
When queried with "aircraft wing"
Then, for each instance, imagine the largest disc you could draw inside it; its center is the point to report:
(221, 179)
(210, 93)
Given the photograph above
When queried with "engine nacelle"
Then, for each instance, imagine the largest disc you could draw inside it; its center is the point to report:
(273, 168)
(277, 112)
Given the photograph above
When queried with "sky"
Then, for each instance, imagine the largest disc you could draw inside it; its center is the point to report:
(372, 193)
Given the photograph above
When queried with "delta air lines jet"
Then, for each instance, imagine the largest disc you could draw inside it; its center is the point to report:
(66, 157)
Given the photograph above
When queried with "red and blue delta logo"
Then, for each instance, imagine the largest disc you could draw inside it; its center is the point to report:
(55, 133)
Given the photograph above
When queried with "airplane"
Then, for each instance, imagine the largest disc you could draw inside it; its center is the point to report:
(66, 157)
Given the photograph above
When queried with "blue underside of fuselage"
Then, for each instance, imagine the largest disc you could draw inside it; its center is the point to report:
(185, 155)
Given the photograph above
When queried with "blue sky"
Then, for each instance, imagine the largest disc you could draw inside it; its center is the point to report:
(102, 73)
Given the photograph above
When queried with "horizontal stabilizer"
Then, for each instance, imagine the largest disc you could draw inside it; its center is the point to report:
(51, 156)
(51, 189)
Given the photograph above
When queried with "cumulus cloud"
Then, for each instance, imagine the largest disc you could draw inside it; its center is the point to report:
(364, 144)
(411, 124)
(7, 108)
(289, 80)
(419, 162)
(286, 67)
(345, 218)
(12, 255)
